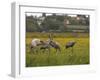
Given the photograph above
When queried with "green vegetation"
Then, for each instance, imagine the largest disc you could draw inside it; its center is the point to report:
(79, 56)
(65, 28)
(56, 22)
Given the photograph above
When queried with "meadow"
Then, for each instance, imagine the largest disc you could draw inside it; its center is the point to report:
(79, 56)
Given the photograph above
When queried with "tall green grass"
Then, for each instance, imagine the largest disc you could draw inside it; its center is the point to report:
(79, 56)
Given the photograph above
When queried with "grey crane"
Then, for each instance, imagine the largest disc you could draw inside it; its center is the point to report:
(50, 43)
(70, 44)
(55, 45)
(45, 45)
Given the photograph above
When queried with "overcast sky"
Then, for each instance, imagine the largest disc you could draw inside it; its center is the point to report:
(40, 14)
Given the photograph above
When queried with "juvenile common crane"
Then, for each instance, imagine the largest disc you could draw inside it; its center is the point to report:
(55, 45)
(70, 44)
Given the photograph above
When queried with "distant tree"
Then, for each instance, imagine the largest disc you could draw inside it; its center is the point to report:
(54, 22)
(31, 24)
(83, 20)
(43, 14)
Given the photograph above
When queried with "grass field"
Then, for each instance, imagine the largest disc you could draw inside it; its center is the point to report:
(79, 56)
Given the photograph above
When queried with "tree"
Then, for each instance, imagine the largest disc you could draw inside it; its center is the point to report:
(32, 24)
(43, 14)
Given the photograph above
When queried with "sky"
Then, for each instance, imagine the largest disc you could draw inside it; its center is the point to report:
(39, 14)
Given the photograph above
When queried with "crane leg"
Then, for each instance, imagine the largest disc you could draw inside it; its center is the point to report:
(72, 50)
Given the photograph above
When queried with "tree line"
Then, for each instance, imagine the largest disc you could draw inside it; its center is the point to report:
(54, 22)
